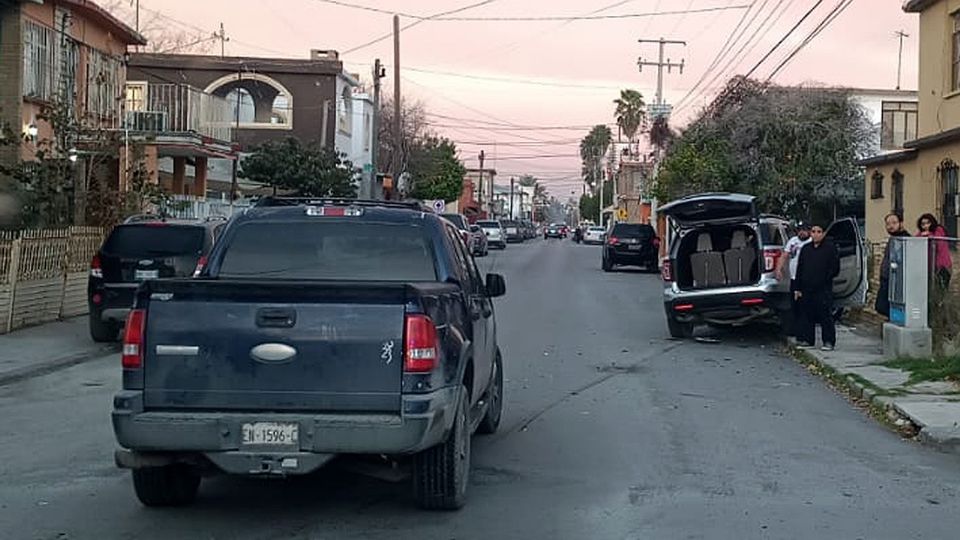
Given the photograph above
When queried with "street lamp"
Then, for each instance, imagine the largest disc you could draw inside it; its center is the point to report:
(31, 131)
(72, 155)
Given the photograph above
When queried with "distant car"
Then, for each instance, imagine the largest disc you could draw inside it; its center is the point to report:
(555, 230)
(514, 230)
(461, 223)
(142, 248)
(478, 242)
(495, 234)
(722, 261)
(594, 235)
(631, 244)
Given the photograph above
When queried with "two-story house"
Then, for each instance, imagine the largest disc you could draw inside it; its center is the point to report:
(923, 175)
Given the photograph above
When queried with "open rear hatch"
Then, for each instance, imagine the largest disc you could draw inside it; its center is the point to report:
(711, 209)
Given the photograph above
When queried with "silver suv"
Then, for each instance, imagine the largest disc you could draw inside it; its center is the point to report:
(722, 257)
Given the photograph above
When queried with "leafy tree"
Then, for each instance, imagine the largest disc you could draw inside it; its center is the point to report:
(527, 180)
(660, 133)
(631, 112)
(795, 148)
(435, 170)
(589, 204)
(413, 123)
(592, 149)
(306, 171)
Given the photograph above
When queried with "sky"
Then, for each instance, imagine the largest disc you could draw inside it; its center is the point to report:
(526, 91)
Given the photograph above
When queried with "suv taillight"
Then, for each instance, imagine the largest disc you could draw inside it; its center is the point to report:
(420, 344)
(613, 241)
(96, 270)
(132, 357)
(666, 271)
(656, 242)
(771, 258)
(201, 264)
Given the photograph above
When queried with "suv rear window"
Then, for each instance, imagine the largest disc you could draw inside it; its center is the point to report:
(488, 224)
(154, 240)
(635, 230)
(330, 251)
(457, 220)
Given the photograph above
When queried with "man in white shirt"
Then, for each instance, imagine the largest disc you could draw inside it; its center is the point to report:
(791, 257)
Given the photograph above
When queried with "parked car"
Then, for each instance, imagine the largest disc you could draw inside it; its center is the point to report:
(478, 242)
(496, 236)
(530, 230)
(594, 235)
(554, 230)
(722, 260)
(514, 231)
(460, 222)
(631, 244)
(317, 329)
(141, 248)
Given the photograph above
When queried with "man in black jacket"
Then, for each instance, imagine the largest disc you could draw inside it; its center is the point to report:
(819, 264)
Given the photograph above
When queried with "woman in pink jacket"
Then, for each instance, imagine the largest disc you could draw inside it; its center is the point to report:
(942, 262)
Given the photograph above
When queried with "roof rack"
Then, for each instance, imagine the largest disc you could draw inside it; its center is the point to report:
(271, 201)
(139, 218)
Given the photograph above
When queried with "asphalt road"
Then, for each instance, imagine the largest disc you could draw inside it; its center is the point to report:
(611, 430)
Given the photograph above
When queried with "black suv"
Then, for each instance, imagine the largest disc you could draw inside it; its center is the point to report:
(143, 247)
(631, 243)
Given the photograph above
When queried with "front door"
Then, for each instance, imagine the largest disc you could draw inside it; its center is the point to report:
(850, 285)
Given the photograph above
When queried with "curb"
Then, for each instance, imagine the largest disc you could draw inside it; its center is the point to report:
(56, 364)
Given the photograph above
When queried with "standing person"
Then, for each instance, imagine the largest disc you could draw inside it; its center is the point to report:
(894, 225)
(791, 257)
(942, 262)
(819, 263)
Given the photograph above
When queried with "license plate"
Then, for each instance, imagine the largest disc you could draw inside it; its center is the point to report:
(146, 274)
(271, 433)
(636, 247)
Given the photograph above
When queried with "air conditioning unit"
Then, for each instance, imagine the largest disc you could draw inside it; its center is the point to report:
(146, 121)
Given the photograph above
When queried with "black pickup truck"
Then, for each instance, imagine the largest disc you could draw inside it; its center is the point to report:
(317, 328)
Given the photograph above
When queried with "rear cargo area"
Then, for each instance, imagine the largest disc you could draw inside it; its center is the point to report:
(718, 256)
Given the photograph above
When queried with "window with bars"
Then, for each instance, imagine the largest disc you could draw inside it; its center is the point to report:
(104, 91)
(39, 61)
(950, 187)
(898, 124)
(896, 189)
(876, 185)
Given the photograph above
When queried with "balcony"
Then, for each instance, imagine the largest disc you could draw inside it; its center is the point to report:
(177, 108)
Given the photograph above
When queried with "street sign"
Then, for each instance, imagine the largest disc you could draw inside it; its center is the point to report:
(654, 110)
(439, 206)
(621, 214)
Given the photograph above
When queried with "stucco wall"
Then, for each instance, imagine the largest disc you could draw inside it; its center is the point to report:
(939, 105)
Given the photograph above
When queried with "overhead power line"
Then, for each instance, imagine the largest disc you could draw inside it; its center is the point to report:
(594, 17)
(783, 39)
(832, 16)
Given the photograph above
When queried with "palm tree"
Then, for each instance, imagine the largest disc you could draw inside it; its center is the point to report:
(631, 112)
(592, 149)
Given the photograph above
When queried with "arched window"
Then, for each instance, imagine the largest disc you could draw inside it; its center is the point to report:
(264, 102)
(896, 193)
(345, 109)
(951, 196)
(248, 110)
(876, 185)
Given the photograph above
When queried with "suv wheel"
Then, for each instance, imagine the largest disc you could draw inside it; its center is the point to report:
(171, 485)
(607, 265)
(491, 420)
(441, 473)
(102, 331)
(679, 330)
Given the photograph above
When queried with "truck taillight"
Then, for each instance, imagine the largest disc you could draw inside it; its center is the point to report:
(771, 258)
(421, 348)
(96, 269)
(201, 264)
(132, 357)
(666, 271)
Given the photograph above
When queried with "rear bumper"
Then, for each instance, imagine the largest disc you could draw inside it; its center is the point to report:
(726, 306)
(115, 301)
(641, 257)
(425, 421)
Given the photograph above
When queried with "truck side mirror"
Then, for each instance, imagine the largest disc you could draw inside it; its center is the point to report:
(496, 286)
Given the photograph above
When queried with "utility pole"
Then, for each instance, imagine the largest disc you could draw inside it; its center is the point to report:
(480, 187)
(511, 198)
(660, 64)
(222, 36)
(234, 185)
(379, 72)
(397, 105)
(900, 34)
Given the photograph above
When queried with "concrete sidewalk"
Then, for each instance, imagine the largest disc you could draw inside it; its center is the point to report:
(934, 407)
(41, 349)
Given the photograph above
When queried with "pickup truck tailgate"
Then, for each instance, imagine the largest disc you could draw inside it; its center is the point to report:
(273, 347)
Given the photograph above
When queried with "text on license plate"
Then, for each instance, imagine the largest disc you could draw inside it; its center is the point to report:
(280, 433)
(146, 274)
(636, 247)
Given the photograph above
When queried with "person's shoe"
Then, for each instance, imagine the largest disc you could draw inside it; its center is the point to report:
(828, 348)
(805, 345)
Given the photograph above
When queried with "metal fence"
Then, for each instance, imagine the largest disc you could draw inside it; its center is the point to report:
(192, 207)
(179, 107)
(43, 274)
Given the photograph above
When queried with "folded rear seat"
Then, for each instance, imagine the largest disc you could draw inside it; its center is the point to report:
(739, 259)
(706, 264)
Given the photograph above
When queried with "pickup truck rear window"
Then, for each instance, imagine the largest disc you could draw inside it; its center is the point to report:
(154, 240)
(344, 251)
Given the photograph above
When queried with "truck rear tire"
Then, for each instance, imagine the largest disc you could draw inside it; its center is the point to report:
(103, 331)
(491, 420)
(441, 473)
(679, 330)
(171, 485)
